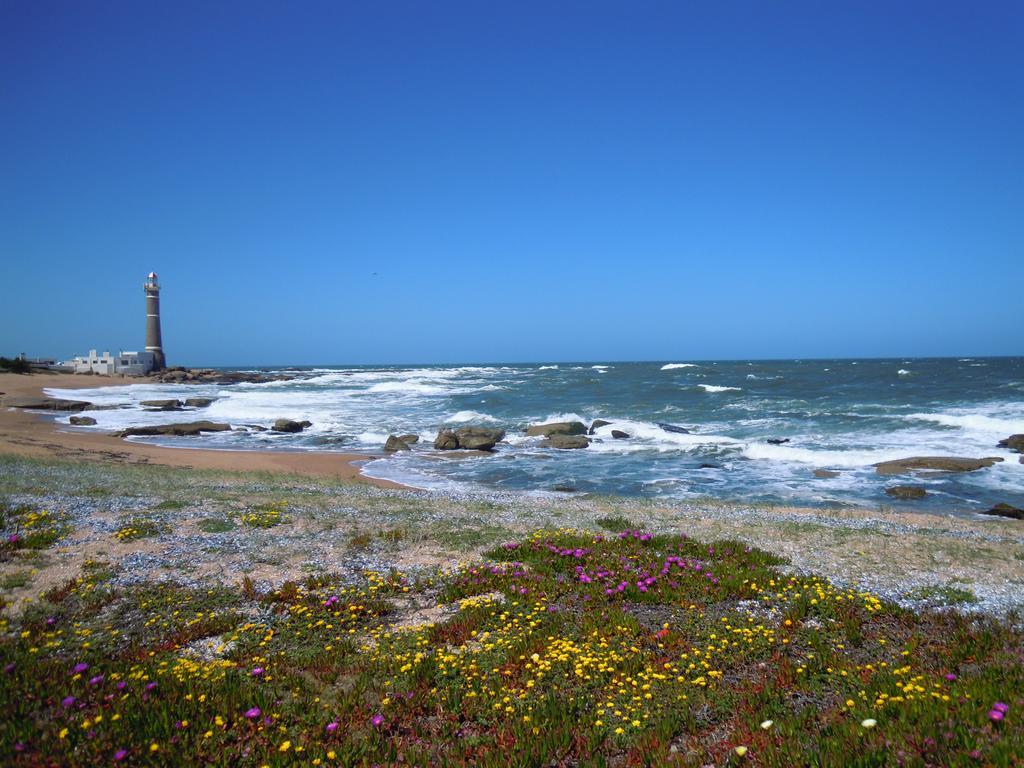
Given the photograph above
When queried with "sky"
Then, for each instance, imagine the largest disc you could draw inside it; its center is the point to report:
(392, 182)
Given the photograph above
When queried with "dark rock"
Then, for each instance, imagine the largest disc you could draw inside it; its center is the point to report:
(161, 405)
(46, 404)
(187, 429)
(557, 428)
(674, 428)
(936, 463)
(82, 421)
(255, 428)
(618, 434)
(598, 423)
(409, 439)
(287, 425)
(395, 444)
(562, 488)
(199, 402)
(708, 466)
(479, 438)
(1005, 510)
(906, 492)
(1014, 443)
(777, 440)
(566, 442)
(446, 440)
(823, 474)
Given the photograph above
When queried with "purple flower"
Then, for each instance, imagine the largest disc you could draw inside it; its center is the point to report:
(995, 715)
(1001, 707)
(332, 727)
(120, 755)
(253, 713)
(121, 685)
(12, 539)
(377, 720)
(96, 680)
(150, 686)
(257, 671)
(950, 676)
(80, 667)
(9, 669)
(67, 701)
(51, 621)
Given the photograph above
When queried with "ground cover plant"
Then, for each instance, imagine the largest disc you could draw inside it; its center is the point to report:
(562, 648)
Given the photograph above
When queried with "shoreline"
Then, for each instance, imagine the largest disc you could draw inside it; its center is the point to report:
(28, 434)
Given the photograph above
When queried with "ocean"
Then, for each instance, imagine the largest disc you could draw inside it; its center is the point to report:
(840, 415)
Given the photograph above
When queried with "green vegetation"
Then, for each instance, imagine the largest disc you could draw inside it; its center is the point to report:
(14, 365)
(15, 580)
(216, 525)
(136, 528)
(563, 648)
(29, 529)
(943, 595)
(615, 523)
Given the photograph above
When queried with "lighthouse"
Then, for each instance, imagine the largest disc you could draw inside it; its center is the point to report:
(153, 342)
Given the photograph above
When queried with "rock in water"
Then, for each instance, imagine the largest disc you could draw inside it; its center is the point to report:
(446, 440)
(566, 442)
(409, 439)
(777, 440)
(478, 438)
(937, 463)
(287, 425)
(1014, 443)
(674, 428)
(906, 492)
(598, 423)
(557, 428)
(199, 402)
(618, 434)
(186, 429)
(161, 405)
(46, 404)
(395, 444)
(1005, 510)
(825, 473)
(82, 421)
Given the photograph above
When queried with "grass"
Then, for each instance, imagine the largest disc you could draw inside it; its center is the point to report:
(15, 580)
(171, 504)
(561, 648)
(216, 525)
(944, 594)
(615, 523)
(136, 528)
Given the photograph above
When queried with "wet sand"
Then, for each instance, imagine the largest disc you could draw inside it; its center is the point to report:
(29, 434)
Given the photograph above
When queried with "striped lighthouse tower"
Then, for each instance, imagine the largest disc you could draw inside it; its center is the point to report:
(154, 343)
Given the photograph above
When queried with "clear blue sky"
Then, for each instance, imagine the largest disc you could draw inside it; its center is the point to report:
(346, 182)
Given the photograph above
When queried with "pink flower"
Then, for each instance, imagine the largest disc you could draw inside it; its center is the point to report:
(1000, 707)
(995, 715)
(950, 676)
(80, 667)
(120, 755)
(67, 701)
(252, 713)
(332, 727)
(377, 720)
(257, 671)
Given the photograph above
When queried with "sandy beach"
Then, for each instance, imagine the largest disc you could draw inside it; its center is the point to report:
(28, 434)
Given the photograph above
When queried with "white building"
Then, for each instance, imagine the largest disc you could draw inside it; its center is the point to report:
(123, 363)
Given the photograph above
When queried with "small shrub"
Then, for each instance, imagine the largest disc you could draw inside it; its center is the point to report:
(615, 524)
(216, 525)
(138, 528)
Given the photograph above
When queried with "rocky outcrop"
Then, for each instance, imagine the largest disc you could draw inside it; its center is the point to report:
(906, 492)
(409, 439)
(674, 428)
(1005, 510)
(934, 463)
(618, 434)
(777, 440)
(198, 402)
(394, 444)
(468, 438)
(479, 438)
(45, 404)
(187, 429)
(707, 465)
(287, 425)
(824, 474)
(597, 424)
(446, 440)
(566, 442)
(1013, 443)
(210, 376)
(161, 405)
(82, 421)
(557, 428)
(255, 427)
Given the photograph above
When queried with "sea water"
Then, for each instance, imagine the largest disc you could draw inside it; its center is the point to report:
(840, 415)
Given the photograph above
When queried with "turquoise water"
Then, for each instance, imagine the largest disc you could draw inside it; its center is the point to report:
(841, 415)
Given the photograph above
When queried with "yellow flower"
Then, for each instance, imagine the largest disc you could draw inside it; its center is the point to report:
(63, 733)
(741, 751)
(154, 747)
(331, 755)
(285, 746)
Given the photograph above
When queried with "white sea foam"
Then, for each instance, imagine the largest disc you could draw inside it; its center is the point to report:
(601, 368)
(823, 457)
(673, 366)
(548, 368)
(463, 417)
(903, 372)
(714, 388)
(975, 422)
(644, 436)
